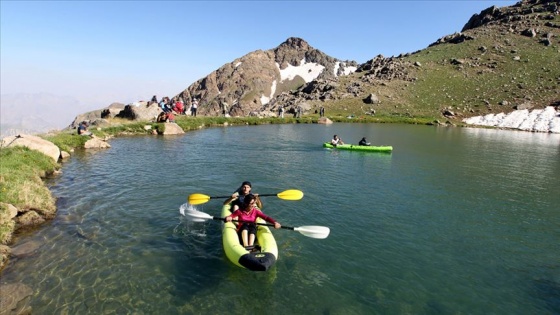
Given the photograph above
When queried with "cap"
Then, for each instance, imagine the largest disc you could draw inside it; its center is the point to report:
(246, 183)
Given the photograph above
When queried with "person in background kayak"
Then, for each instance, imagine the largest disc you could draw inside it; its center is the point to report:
(247, 215)
(336, 141)
(239, 195)
(363, 142)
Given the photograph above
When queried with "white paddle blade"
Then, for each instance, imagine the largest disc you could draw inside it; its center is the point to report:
(314, 231)
(186, 207)
(197, 216)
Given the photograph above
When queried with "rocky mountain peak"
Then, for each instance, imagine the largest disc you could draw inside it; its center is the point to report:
(295, 43)
(247, 84)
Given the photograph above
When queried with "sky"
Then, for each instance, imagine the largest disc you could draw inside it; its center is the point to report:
(100, 52)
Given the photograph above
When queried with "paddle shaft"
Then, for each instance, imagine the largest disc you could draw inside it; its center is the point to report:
(260, 195)
(265, 224)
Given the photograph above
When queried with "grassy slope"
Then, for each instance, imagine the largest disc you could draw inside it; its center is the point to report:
(475, 87)
(21, 185)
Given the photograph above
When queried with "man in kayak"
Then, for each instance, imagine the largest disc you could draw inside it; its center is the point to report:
(247, 215)
(363, 142)
(238, 196)
(336, 141)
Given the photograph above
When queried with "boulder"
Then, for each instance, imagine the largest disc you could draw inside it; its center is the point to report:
(172, 129)
(141, 113)
(89, 116)
(371, 99)
(29, 219)
(324, 120)
(96, 143)
(34, 143)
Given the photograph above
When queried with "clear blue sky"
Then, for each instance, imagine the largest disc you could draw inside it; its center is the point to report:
(105, 51)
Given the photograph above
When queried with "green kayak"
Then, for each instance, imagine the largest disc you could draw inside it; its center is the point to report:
(355, 147)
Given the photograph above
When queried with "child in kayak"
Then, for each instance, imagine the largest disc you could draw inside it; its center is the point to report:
(248, 214)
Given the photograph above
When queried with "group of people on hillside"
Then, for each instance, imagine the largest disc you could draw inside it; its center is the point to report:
(245, 207)
(176, 107)
(336, 141)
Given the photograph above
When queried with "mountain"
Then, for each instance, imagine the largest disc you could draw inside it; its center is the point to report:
(250, 82)
(504, 59)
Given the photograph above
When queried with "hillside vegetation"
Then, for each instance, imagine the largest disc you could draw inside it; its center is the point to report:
(508, 63)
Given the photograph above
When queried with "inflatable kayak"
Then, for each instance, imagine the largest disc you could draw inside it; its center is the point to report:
(355, 147)
(259, 259)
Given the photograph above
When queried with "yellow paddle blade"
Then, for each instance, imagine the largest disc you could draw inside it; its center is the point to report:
(197, 199)
(291, 194)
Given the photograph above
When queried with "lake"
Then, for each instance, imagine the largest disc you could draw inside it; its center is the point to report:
(453, 221)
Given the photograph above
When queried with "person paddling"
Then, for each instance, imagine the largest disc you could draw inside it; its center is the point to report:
(238, 196)
(248, 214)
(336, 141)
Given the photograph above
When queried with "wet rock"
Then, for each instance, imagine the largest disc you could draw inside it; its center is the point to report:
(15, 299)
(25, 249)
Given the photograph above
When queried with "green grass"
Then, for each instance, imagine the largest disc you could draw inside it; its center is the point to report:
(6, 225)
(67, 141)
(21, 185)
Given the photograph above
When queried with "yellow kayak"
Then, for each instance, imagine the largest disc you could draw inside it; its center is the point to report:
(259, 259)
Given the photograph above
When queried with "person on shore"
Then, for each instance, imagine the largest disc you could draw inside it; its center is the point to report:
(225, 109)
(363, 142)
(248, 214)
(194, 107)
(83, 129)
(239, 195)
(336, 141)
(153, 100)
(281, 112)
(299, 111)
(179, 107)
(322, 112)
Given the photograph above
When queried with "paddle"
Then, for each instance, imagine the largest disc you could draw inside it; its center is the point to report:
(312, 231)
(290, 194)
